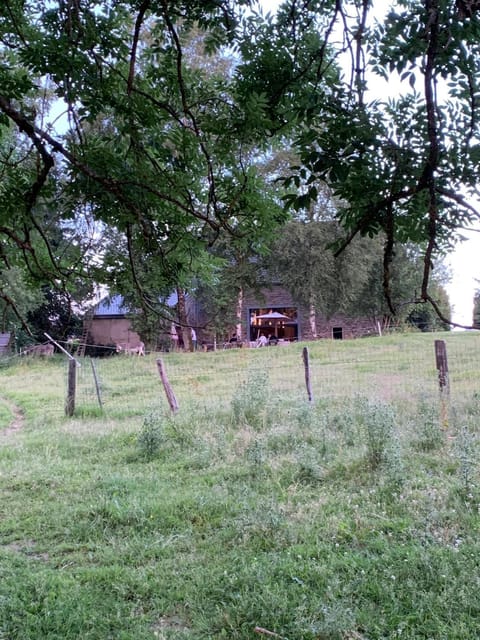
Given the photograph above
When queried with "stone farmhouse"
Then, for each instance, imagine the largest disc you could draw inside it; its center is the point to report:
(109, 323)
(297, 327)
(272, 311)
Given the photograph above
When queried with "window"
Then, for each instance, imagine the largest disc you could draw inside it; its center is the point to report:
(281, 322)
(337, 333)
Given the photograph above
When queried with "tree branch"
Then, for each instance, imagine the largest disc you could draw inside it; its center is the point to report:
(136, 37)
(10, 303)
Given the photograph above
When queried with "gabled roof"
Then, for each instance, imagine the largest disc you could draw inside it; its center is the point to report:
(111, 306)
(115, 306)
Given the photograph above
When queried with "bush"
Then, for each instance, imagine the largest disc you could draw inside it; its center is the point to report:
(100, 350)
(249, 404)
(379, 426)
(429, 434)
(152, 437)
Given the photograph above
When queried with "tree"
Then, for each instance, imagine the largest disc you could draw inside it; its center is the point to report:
(56, 316)
(406, 274)
(222, 295)
(41, 247)
(350, 283)
(423, 316)
(17, 299)
(303, 260)
(164, 151)
(156, 146)
(406, 166)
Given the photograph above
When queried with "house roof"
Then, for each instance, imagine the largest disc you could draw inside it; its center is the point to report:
(116, 306)
(111, 306)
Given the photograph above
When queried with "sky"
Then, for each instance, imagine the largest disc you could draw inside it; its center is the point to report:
(464, 265)
(463, 262)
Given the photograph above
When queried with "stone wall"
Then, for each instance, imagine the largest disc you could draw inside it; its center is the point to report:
(338, 326)
(108, 331)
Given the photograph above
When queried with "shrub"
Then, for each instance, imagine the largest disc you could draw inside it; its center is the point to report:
(379, 426)
(152, 436)
(428, 432)
(466, 451)
(100, 351)
(309, 471)
(250, 402)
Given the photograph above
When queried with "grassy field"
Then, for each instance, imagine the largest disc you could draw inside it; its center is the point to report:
(251, 513)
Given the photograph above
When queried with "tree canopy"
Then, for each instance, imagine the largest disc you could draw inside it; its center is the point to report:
(140, 128)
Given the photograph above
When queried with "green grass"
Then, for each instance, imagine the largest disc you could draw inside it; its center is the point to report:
(6, 416)
(354, 517)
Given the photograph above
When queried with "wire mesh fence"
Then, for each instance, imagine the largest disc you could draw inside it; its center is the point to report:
(396, 369)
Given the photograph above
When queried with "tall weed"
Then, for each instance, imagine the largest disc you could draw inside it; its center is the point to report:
(152, 436)
(250, 404)
(429, 435)
(310, 469)
(379, 426)
(466, 450)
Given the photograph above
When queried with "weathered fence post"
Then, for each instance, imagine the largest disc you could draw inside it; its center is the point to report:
(172, 400)
(306, 363)
(71, 386)
(443, 380)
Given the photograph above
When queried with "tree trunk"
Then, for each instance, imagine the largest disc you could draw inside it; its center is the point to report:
(183, 320)
(239, 309)
(312, 318)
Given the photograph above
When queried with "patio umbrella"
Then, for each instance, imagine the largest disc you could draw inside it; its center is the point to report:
(274, 317)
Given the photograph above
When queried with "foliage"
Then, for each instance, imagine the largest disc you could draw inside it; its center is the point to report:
(352, 282)
(401, 164)
(161, 160)
(302, 258)
(467, 452)
(424, 317)
(379, 422)
(55, 316)
(152, 436)
(428, 430)
(237, 269)
(250, 404)
(149, 125)
(41, 247)
(18, 298)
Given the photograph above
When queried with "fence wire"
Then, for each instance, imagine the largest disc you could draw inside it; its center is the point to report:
(391, 369)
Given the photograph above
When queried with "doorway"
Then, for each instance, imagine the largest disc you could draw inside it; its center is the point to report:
(337, 333)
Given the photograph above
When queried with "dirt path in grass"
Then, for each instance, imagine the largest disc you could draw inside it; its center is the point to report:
(18, 419)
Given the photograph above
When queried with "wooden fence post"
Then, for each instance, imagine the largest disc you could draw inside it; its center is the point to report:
(306, 363)
(172, 400)
(443, 379)
(71, 386)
